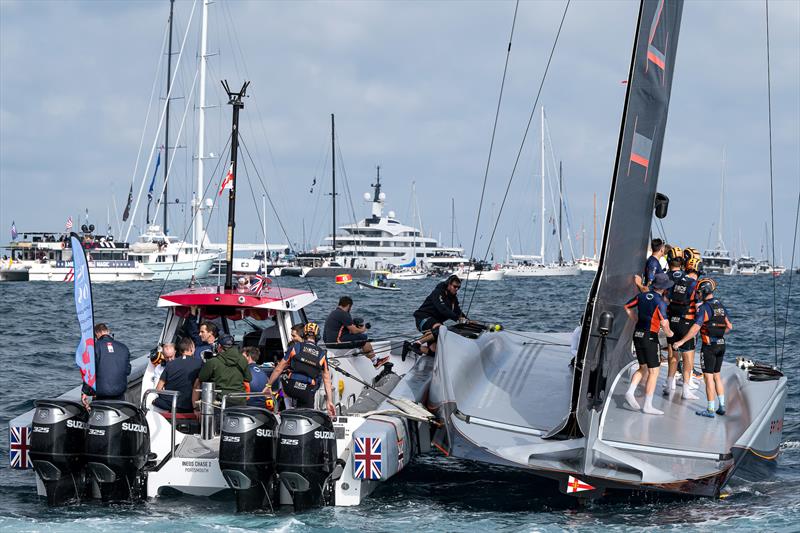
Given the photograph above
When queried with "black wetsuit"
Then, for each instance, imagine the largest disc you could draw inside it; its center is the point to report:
(438, 307)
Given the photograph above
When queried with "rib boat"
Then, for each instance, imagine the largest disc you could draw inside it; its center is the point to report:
(516, 398)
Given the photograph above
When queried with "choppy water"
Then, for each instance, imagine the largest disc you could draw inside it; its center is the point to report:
(39, 335)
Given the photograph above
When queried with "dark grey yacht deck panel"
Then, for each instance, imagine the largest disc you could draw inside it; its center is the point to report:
(522, 379)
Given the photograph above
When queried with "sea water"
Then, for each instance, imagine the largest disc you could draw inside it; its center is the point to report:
(434, 493)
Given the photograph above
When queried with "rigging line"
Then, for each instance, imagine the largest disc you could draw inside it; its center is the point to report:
(791, 273)
(269, 199)
(262, 225)
(522, 145)
(189, 227)
(149, 107)
(160, 123)
(491, 143)
(771, 191)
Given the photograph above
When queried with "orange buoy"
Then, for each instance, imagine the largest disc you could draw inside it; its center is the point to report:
(343, 279)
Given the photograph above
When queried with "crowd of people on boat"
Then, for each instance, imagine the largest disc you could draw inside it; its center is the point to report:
(675, 298)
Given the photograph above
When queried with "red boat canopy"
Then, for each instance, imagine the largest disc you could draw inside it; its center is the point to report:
(240, 301)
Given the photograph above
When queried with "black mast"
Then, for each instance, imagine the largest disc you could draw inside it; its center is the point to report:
(166, 121)
(333, 180)
(234, 99)
(560, 203)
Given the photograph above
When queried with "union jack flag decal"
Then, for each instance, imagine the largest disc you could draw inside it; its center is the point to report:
(367, 462)
(20, 442)
(258, 283)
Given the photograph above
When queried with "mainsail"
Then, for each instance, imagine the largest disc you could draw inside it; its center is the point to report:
(630, 207)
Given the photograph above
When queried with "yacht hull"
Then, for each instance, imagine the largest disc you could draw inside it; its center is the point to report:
(182, 270)
(499, 396)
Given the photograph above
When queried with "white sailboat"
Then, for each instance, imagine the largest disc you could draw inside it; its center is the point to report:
(533, 266)
(718, 261)
(167, 256)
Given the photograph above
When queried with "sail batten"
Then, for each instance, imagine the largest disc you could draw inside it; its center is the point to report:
(630, 207)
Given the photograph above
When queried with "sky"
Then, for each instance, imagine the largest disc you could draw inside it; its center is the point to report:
(414, 87)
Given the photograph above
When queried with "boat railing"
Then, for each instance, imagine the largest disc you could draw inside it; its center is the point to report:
(173, 409)
(246, 395)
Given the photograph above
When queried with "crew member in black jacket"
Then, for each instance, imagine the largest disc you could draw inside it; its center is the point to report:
(440, 305)
(112, 367)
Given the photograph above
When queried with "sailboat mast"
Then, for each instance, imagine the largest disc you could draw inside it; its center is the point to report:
(166, 121)
(594, 207)
(560, 203)
(201, 129)
(333, 180)
(452, 221)
(541, 249)
(720, 243)
(234, 99)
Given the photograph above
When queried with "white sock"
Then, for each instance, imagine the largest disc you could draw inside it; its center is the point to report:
(673, 381)
(631, 398)
(648, 406)
(688, 394)
(693, 385)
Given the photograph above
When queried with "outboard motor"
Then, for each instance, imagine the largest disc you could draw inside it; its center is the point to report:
(306, 457)
(57, 442)
(247, 449)
(117, 448)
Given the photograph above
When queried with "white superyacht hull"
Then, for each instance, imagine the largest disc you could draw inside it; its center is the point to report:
(182, 270)
(524, 271)
(100, 272)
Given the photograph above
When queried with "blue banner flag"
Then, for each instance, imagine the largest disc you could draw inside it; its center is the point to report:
(84, 354)
(13, 231)
(153, 179)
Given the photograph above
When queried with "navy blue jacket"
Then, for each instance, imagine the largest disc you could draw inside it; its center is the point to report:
(112, 364)
(193, 329)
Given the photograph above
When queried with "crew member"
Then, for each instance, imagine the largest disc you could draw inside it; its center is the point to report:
(652, 266)
(179, 375)
(713, 323)
(112, 367)
(682, 310)
(167, 355)
(440, 305)
(205, 337)
(258, 381)
(228, 371)
(651, 316)
(306, 365)
(341, 332)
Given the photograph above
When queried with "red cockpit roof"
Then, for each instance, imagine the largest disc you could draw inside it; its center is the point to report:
(272, 297)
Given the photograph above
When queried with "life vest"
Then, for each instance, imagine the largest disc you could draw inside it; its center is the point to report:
(716, 326)
(681, 303)
(307, 361)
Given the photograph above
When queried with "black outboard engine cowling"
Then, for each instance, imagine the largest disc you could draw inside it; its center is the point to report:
(306, 457)
(117, 448)
(58, 437)
(247, 450)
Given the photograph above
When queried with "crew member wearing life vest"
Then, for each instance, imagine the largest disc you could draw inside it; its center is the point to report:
(713, 323)
(651, 313)
(682, 310)
(306, 366)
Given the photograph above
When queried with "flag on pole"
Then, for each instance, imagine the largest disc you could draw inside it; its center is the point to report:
(227, 181)
(153, 179)
(258, 283)
(127, 212)
(68, 225)
(13, 231)
(84, 353)
(576, 485)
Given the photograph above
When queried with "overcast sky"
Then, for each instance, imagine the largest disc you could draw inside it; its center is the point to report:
(414, 87)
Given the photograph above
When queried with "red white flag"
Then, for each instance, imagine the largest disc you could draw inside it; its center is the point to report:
(68, 225)
(576, 485)
(227, 182)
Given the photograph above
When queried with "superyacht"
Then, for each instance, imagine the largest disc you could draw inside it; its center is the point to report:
(383, 242)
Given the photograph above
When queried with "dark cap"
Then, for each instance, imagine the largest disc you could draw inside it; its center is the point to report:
(662, 281)
(226, 340)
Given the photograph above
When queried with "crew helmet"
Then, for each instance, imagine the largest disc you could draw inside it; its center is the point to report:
(705, 286)
(311, 330)
(675, 253)
(688, 253)
(693, 264)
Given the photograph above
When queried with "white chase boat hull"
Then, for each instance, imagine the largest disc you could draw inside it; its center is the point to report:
(100, 272)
